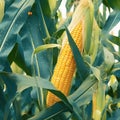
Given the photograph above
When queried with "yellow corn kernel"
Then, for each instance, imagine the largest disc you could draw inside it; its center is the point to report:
(65, 66)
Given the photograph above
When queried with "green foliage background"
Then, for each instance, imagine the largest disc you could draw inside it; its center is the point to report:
(30, 41)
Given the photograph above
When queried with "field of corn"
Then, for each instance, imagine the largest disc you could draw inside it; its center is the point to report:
(59, 68)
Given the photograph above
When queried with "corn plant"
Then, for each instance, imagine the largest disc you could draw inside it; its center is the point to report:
(56, 68)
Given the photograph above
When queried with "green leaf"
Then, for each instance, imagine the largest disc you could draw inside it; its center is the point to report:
(18, 55)
(105, 2)
(88, 27)
(69, 4)
(96, 72)
(109, 45)
(17, 108)
(115, 115)
(97, 4)
(62, 97)
(116, 69)
(84, 93)
(108, 59)
(82, 68)
(19, 83)
(76, 110)
(111, 22)
(114, 39)
(2, 98)
(99, 58)
(41, 18)
(44, 47)
(49, 7)
(16, 83)
(94, 43)
(12, 23)
(54, 5)
(50, 112)
(98, 15)
(116, 56)
(58, 33)
(115, 4)
(49, 22)
(31, 37)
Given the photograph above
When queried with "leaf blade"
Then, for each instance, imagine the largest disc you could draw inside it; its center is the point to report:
(82, 68)
(46, 46)
(12, 23)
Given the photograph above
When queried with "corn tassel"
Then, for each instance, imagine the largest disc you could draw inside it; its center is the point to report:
(65, 67)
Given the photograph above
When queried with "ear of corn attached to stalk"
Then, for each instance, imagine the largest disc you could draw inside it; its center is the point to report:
(2, 5)
(65, 66)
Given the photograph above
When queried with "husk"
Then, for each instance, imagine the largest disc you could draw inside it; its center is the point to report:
(84, 14)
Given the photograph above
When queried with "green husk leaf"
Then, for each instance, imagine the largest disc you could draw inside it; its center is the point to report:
(88, 26)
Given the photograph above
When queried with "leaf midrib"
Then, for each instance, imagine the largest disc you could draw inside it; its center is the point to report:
(10, 27)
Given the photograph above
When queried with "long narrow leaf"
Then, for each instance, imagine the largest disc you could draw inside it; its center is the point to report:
(80, 99)
(44, 47)
(12, 23)
(112, 20)
(114, 39)
(83, 95)
(41, 18)
(31, 37)
(108, 59)
(82, 68)
(50, 112)
(88, 84)
(16, 83)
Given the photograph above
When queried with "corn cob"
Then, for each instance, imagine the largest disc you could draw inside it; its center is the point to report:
(65, 67)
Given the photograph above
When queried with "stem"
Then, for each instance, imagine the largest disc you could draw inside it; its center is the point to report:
(39, 90)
